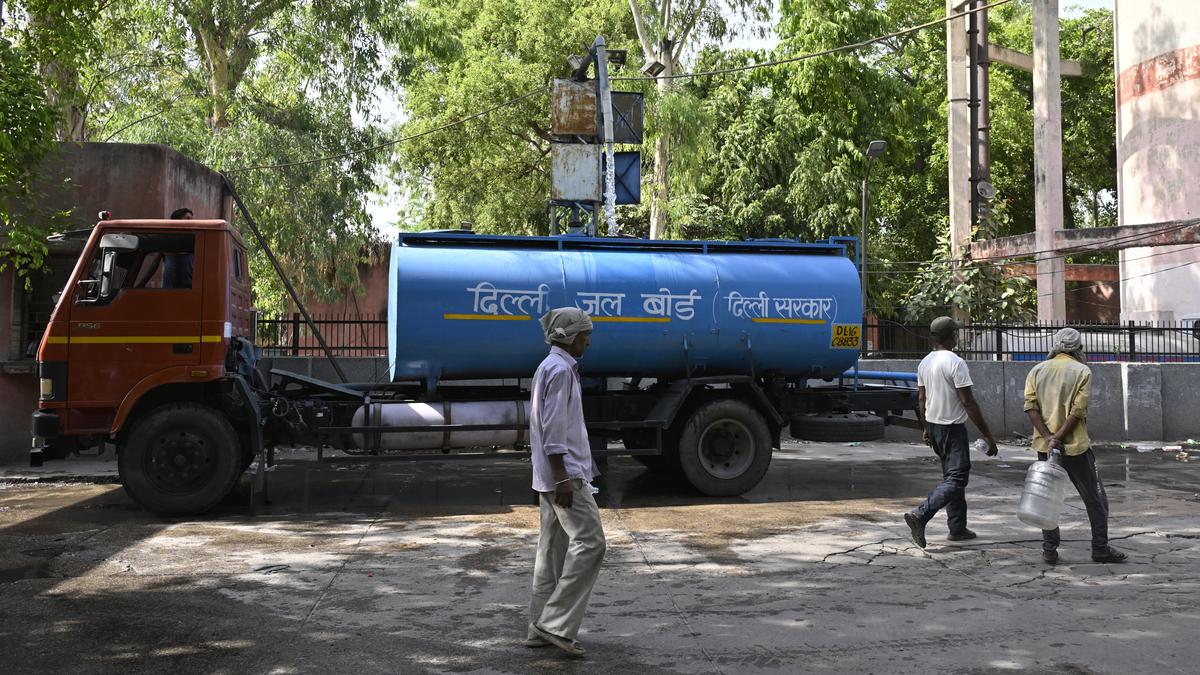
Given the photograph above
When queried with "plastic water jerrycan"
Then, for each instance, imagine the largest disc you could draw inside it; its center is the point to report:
(1045, 490)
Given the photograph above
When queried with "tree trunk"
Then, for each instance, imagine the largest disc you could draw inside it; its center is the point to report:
(660, 216)
(63, 91)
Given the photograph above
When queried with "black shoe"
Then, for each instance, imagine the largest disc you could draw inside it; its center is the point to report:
(1108, 555)
(961, 536)
(1050, 557)
(916, 528)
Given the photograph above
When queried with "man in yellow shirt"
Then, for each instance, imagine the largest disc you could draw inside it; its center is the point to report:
(1056, 397)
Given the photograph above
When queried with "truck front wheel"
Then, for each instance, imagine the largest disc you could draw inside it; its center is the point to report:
(180, 459)
(725, 448)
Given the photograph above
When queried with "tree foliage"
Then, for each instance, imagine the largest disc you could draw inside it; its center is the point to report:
(494, 171)
(765, 152)
(254, 83)
(27, 124)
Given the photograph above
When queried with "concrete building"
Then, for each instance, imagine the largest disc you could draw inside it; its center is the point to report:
(1157, 57)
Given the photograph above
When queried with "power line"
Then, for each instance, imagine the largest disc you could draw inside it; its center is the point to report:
(813, 55)
(1059, 252)
(1091, 284)
(1124, 279)
(394, 141)
(916, 265)
(843, 48)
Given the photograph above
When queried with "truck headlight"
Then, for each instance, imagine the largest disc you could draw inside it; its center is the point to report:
(46, 388)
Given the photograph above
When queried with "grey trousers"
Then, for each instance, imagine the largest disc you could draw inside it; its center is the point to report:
(570, 549)
(1086, 477)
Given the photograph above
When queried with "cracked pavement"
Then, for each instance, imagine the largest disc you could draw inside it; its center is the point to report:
(425, 567)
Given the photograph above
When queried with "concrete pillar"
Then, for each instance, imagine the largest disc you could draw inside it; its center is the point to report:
(959, 128)
(1047, 161)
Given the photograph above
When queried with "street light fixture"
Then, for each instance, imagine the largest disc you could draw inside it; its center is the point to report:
(653, 68)
(875, 149)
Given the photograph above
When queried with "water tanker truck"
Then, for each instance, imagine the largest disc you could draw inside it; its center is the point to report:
(703, 354)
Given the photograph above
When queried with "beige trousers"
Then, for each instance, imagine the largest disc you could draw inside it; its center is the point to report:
(570, 549)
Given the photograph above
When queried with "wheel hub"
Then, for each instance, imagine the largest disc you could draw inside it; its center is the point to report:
(181, 461)
(726, 449)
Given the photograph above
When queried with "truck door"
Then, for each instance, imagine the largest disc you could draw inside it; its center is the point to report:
(136, 312)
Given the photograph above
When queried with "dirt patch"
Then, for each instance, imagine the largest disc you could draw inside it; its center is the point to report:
(486, 559)
(712, 530)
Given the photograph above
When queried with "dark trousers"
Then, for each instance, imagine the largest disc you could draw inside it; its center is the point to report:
(950, 443)
(1083, 473)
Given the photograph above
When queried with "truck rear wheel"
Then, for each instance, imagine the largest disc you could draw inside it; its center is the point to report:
(180, 459)
(725, 448)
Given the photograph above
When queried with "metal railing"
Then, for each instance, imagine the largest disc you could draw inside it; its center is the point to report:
(1162, 342)
(1159, 342)
(346, 335)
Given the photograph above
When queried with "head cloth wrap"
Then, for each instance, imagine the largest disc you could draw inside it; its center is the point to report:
(563, 324)
(1068, 341)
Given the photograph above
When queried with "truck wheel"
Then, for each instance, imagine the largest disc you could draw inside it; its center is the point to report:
(180, 459)
(838, 427)
(725, 448)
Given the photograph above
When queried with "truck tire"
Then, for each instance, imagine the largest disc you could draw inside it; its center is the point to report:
(724, 448)
(838, 427)
(180, 459)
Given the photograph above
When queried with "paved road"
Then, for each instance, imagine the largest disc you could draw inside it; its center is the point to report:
(425, 568)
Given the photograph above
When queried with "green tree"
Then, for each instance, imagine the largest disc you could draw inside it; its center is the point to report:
(494, 170)
(666, 31)
(259, 89)
(27, 123)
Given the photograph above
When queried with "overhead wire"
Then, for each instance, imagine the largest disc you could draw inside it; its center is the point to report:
(1060, 252)
(1176, 248)
(394, 141)
(512, 101)
(812, 55)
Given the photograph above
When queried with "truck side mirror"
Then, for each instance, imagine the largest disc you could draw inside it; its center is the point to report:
(106, 272)
(98, 290)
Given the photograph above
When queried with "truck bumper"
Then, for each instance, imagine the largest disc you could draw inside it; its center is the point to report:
(45, 429)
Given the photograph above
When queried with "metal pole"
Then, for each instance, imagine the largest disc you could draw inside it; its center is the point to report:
(983, 138)
(610, 171)
(973, 106)
(862, 242)
(874, 149)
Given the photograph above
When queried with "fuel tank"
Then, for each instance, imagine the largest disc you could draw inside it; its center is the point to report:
(466, 306)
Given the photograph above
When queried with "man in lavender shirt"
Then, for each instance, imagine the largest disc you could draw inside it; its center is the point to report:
(571, 544)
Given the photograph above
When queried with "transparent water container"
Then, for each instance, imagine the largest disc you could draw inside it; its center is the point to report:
(1045, 490)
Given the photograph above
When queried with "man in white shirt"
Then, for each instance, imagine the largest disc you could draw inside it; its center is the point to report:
(945, 403)
(571, 543)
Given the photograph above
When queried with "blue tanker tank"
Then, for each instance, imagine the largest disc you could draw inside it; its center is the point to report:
(465, 306)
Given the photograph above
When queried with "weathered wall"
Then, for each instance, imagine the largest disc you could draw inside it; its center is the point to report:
(1158, 150)
(132, 181)
(1129, 401)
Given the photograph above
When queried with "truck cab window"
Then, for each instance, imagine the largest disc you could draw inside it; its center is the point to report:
(238, 264)
(163, 261)
(127, 260)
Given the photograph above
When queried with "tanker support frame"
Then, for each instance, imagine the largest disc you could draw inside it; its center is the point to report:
(718, 433)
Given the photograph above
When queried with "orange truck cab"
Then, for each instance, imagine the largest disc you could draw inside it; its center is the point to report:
(149, 347)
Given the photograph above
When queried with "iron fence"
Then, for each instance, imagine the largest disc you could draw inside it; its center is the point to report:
(1159, 342)
(346, 335)
(1162, 342)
